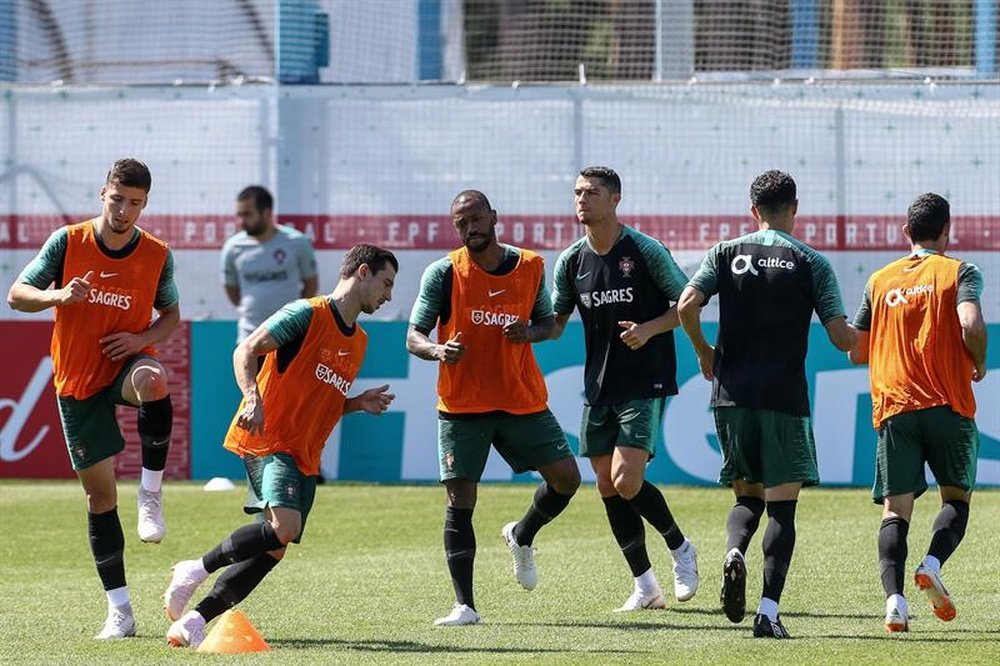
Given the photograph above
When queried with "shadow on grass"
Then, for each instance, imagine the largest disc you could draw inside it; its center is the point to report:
(629, 626)
(426, 648)
(941, 637)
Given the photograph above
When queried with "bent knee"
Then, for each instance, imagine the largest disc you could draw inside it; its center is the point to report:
(627, 484)
(150, 382)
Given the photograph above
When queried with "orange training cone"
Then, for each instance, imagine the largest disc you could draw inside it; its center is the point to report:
(233, 633)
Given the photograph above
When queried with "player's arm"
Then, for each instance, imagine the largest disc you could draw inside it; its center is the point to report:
(427, 309)
(829, 306)
(635, 335)
(542, 323)
(689, 313)
(31, 293)
(258, 343)
(693, 298)
(563, 295)
(307, 268)
(858, 354)
(374, 401)
(123, 344)
(230, 276)
(233, 292)
(310, 286)
(670, 280)
(970, 317)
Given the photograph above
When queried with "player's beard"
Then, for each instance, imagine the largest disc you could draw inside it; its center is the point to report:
(254, 229)
(477, 243)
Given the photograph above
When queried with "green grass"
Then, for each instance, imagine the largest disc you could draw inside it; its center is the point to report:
(370, 577)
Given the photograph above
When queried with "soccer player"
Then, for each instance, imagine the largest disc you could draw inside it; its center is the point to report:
(314, 348)
(922, 333)
(266, 265)
(622, 282)
(489, 303)
(768, 284)
(109, 276)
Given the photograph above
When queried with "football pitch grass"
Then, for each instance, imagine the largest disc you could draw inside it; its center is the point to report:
(369, 578)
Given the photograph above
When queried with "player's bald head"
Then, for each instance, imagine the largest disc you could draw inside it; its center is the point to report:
(473, 197)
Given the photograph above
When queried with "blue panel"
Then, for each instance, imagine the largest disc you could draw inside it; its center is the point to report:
(214, 399)
(8, 40)
(986, 39)
(371, 447)
(805, 34)
(429, 44)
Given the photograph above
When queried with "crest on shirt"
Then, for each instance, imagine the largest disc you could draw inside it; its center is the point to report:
(279, 256)
(626, 265)
(325, 355)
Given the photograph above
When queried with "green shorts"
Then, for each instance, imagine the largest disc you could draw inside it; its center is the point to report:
(90, 426)
(634, 424)
(765, 446)
(526, 442)
(946, 441)
(275, 480)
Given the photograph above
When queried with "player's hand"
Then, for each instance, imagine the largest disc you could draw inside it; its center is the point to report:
(76, 290)
(706, 363)
(453, 350)
(516, 331)
(251, 417)
(634, 336)
(375, 400)
(979, 373)
(119, 346)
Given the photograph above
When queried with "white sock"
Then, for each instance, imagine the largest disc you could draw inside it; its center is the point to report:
(151, 480)
(896, 601)
(768, 607)
(200, 568)
(646, 582)
(683, 549)
(932, 563)
(118, 597)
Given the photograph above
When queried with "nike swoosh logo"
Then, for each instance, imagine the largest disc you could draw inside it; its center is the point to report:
(344, 352)
(107, 275)
(580, 277)
(496, 293)
(911, 269)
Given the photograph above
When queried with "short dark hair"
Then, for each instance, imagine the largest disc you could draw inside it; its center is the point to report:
(472, 194)
(927, 217)
(262, 199)
(129, 172)
(772, 191)
(606, 175)
(363, 253)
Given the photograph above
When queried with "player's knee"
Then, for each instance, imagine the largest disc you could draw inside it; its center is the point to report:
(150, 382)
(101, 501)
(568, 481)
(287, 531)
(627, 484)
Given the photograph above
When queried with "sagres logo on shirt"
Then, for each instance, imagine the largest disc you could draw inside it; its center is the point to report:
(490, 318)
(113, 299)
(596, 299)
(328, 375)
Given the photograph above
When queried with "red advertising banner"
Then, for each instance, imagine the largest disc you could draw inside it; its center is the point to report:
(534, 232)
(31, 438)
